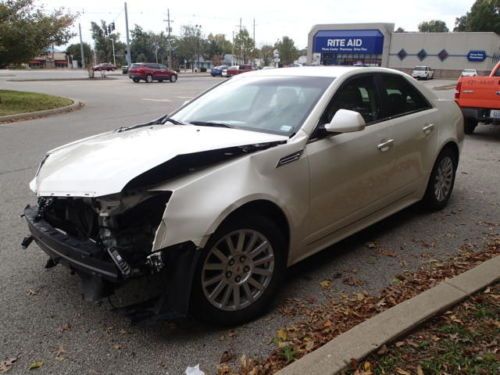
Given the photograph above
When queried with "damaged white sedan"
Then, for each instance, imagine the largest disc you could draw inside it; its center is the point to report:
(249, 178)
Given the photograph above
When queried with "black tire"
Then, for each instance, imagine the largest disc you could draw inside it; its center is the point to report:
(173, 78)
(432, 199)
(470, 125)
(149, 78)
(204, 310)
(136, 80)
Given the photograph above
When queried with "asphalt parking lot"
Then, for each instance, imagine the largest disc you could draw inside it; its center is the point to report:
(43, 316)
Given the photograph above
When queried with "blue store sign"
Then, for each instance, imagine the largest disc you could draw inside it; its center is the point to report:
(476, 56)
(349, 41)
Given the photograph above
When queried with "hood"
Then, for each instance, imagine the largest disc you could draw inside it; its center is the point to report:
(104, 164)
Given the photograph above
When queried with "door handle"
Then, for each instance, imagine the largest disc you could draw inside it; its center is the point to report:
(385, 145)
(427, 129)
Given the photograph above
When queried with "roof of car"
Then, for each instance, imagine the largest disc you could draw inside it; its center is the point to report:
(316, 71)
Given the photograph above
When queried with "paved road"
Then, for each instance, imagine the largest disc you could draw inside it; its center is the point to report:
(42, 311)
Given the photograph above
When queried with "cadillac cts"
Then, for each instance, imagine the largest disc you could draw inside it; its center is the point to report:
(249, 178)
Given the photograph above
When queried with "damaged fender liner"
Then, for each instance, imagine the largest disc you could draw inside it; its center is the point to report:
(79, 255)
(187, 163)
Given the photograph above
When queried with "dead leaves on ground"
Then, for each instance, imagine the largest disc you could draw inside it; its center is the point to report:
(321, 323)
(7, 364)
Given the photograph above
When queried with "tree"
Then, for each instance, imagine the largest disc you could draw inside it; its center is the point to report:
(483, 16)
(27, 30)
(400, 30)
(433, 26)
(103, 42)
(74, 50)
(266, 54)
(244, 45)
(190, 45)
(217, 47)
(288, 52)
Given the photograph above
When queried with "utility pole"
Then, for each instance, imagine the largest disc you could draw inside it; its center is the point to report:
(113, 46)
(169, 45)
(82, 56)
(254, 30)
(129, 55)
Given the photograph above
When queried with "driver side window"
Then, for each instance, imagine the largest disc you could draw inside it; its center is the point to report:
(357, 94)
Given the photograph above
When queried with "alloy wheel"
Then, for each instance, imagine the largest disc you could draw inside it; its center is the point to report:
(444, 179)
(238, 269)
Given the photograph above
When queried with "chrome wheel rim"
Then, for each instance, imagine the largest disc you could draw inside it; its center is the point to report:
(237, 270)
(444, 179)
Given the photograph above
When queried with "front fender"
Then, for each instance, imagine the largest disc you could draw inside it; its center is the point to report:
(200, 202)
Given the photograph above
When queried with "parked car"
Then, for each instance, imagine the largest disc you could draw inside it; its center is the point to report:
(124, 69)
(217, 71)
(479, 99)
(104, 67)
(150, 72)
(422, 72)
(242, 182)
(238, 69)
(469, 73)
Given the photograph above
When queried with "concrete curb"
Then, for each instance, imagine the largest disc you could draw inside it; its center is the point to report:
(368, 336)
(47, 112)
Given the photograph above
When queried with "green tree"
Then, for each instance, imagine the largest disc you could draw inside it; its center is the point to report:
(190, 45)
(27, 30)
(75, 51)
(266, 54)
(244, 45)
(217, 47)
(288, 52)
(433, 26)
(483, 16)
(400, 30)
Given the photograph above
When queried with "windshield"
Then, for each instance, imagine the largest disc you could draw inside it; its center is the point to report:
(276, 105)
(420, 68)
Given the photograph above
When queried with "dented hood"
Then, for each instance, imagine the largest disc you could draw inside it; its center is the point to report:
(104, 164)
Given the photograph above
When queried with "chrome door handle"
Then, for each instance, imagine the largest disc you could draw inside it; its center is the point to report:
(385, 145)
(427, 129)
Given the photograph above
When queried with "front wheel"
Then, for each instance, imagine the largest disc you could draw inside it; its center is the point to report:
(240, 271)
(173, 78)
(442, 180)
(136, 80)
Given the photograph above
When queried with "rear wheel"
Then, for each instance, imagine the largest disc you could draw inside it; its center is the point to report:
(469, 125)
(135, 80)
(173, 78)
(441, 181)
(239, 271)
(149, 78)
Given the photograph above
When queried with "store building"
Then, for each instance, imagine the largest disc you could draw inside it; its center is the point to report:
(376, 44)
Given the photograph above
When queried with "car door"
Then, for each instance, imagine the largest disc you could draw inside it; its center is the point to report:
(410, 122)
(349, 172)
(163, 72)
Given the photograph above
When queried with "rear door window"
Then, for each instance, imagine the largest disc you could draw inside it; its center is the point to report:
(400, 97)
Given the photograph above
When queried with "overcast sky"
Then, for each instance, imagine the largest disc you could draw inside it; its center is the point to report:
(273, 19)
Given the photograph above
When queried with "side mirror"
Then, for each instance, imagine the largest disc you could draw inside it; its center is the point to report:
(346, 121)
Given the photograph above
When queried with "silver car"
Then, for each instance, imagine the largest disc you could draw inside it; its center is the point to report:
(249, 178)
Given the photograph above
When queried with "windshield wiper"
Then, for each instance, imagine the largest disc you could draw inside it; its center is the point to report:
(211, 123)
(159, 121)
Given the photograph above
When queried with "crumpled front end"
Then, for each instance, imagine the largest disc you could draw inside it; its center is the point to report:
(105, 240)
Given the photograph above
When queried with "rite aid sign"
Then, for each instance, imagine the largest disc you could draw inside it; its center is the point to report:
(349, 41)
(476, 56)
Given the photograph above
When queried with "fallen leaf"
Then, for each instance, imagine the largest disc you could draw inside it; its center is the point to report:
(281, 334)
(60, 353)
(419, 370)
(35, 365)
(7, 364)
(402, 372)
(31, 292)
(360, 296)
(119, 346)
(232, 333)
(371, 245)
(367, 366)
(63, 328)
(326, 284)
(400, 344)
(309, 345)
(226, 357)
(383, 350)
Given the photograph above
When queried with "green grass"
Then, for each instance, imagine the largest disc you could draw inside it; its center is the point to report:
(14, 102)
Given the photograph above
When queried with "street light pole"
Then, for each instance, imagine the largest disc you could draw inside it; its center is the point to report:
(82, 56)
(129, 55)
(113, 47)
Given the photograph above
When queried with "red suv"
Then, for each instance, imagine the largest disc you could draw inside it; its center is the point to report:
(238, 69)
(151, 72)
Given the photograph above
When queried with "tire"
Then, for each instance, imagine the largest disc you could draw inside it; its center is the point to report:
(469, 125)
(173, 78)
(441, 181)
(136, 80)
(149, 78)
(237, 271)
(160, 80)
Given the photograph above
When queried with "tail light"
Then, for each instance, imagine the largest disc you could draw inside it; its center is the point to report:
(457, 90)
